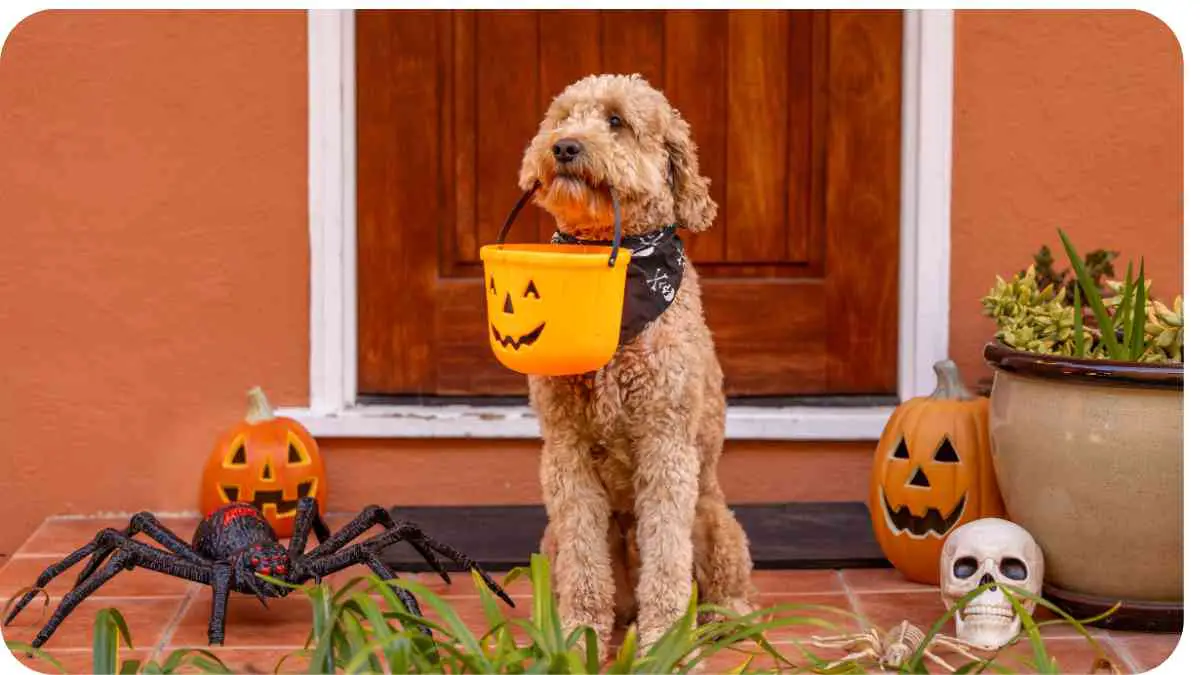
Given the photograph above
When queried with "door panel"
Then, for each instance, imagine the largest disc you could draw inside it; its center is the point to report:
(796, 115)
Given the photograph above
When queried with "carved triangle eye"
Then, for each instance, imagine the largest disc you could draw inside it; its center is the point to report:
(238, 456)
(946, 453)
(492, 285)
(532, 290)
(901, 451)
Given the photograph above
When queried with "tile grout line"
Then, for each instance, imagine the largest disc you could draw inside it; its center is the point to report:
(41, 526)
(1122, 652)
(173, 624)
(854, 606)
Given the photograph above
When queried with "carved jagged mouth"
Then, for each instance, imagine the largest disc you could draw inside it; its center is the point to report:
(523, 341)
(932, 523)
(283, 507)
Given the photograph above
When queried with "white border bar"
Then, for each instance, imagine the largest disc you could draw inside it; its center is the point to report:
(331, 165)
(927, 140)
(927, 112)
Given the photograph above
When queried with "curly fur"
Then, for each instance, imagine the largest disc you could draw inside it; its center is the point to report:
(629, 463)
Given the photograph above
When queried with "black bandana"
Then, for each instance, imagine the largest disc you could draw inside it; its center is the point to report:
(654, 274)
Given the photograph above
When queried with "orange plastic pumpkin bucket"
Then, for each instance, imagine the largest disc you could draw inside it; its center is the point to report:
(554, 309)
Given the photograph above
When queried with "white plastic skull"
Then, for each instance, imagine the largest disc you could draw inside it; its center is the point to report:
(981, 552)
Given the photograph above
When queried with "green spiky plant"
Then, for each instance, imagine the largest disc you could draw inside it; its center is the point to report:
(109, 634)
(1128, 325)
(363, 627)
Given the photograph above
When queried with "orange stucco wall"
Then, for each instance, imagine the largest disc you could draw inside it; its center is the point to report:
(153, 249)
(1062, 119)
(154, 262)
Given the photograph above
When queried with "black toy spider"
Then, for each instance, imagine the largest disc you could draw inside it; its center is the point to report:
(234, 543)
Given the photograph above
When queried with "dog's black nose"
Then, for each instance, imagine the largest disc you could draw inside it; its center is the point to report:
(567, 149)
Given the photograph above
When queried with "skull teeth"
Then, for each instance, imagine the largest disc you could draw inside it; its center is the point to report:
(988, 611)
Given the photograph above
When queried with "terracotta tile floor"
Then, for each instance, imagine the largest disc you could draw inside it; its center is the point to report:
(165, 614)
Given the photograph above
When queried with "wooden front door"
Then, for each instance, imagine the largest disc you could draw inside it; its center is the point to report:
(797, 117)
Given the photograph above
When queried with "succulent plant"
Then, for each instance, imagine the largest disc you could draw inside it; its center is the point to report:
(1045, 312)
(1165, 325)
(1032, 319)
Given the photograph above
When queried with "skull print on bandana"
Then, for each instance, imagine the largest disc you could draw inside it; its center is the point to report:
(652, 279)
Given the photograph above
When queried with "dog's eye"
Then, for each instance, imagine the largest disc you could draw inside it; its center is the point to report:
(615, 121)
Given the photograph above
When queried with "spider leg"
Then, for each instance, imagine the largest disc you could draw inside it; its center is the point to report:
(956, 645)
(939, 660)
(852, 657)
(222, 581)
(153, 528)
(409, 532)
(308, 519)
(368, 518)
(360, 554)
(50, 573)
(129, 554)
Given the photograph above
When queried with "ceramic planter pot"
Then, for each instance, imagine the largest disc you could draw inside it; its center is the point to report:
(1089, 459)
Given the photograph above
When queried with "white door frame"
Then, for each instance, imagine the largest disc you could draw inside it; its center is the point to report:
(927, 112)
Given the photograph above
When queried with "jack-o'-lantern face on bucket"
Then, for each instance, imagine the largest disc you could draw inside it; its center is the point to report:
(553, 309)
(516, 316)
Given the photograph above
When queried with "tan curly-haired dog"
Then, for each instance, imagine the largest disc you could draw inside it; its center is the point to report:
(629, 465)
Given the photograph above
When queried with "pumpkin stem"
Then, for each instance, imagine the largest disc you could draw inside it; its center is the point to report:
(949, 384)
(259, 408)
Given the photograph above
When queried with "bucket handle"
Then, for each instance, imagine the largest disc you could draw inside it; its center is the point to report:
(616, 204)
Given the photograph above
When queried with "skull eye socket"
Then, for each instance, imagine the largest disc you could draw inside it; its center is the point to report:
(901, 451)
(1014, 569)
(965, 568)
(946, 453)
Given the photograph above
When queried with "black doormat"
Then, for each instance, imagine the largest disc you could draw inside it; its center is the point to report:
(793, 535)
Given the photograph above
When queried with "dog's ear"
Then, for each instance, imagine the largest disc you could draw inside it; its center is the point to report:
(694, 208)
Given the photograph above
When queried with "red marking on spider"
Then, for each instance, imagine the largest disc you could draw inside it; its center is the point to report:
(238, 512)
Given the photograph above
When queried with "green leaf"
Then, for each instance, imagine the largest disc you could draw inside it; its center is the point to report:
(129, 667)
(1107, 334)
(1137, 332)
(109, 630)
(623, 663)
(25, 648)
(181, 656)
(1124, 310)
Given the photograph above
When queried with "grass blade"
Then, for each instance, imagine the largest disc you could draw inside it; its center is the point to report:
(1107, 335)
(25, 648)
(1137, 344)
(108, 631)
(1124, 311)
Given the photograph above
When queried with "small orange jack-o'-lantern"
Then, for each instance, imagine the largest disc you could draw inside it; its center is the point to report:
(267, 461)
(932, 472)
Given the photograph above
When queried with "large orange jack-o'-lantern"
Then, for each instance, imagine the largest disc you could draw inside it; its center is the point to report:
(268, 461)
(932, 473)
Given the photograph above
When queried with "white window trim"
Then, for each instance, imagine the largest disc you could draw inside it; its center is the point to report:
(927, 112)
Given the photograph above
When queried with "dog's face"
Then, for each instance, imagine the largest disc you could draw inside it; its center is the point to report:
(616, 133)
